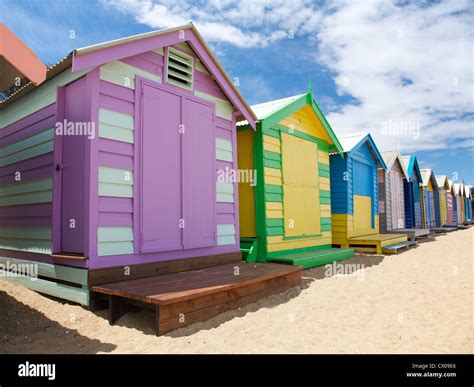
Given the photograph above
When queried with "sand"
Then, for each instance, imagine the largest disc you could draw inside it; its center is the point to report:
(420, 301)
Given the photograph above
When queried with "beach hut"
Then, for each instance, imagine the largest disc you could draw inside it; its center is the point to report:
(391, 193)
(430, 199)
(450, 203)
(286, 216)
(109, 174)
(354, 197)
(467, 205)
(412, 190)
(459, 194)
(443, 190)
(472, 203)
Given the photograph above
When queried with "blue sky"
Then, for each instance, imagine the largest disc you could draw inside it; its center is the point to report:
(400, 70)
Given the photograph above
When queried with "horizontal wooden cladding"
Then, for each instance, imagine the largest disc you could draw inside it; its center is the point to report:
(28, 126)
(278, 243)
(116, 126)
(32, 239)
(115, 274)
(31, 169)
(27, 148)
(39, 98)
(35, 191)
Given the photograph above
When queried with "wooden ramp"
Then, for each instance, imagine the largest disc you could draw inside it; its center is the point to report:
(183, 298)
(413, 234)
(309, 259)
(397, 247)
(375, 243)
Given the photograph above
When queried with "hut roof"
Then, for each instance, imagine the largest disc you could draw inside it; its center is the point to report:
(426, 175)
(442, 181)
(96, 55)
(353, 141)
(271, 112)
(391, 156)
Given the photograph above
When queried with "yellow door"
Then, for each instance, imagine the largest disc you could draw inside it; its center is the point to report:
(246, 190)
(301, 207)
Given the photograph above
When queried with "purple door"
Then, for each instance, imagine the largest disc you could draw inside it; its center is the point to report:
(177, 172)
(73, 171)
(161, 170)
(199, 175)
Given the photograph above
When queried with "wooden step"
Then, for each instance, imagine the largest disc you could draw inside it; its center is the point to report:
(309, 259)
(393, 249)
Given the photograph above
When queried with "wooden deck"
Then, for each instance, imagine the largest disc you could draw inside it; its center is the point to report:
(413, 234)
(183, 298)
(374, 243)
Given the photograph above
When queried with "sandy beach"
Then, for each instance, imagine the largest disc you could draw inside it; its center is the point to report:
(420, 301)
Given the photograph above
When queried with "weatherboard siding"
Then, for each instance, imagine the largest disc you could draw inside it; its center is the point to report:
(116, 153)
(26, 173)
(304, 125)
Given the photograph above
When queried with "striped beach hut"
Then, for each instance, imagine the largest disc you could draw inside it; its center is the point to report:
(467, 204)
(412, 190)
(355, 197)
(109, 175)
(443, 194)
(450, 202)
(391, 192)
(431, 215)
(285, 215)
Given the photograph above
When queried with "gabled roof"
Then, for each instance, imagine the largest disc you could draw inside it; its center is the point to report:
(102, 53)
(263, 110)
(442, 181)
(456, 189)
(427, 175)
(411, 162)
(391, 156)
(99, 54)
(352, 142)
(271, 112)
(468, 191)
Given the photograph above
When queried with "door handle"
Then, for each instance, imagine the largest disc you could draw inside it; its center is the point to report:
(58, 167)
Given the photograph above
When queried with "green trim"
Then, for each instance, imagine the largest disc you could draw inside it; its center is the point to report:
(325, 123)
(326, 227)
(325, 200)
(323, 173)
(286, 110)
(314, 258)
(275, 117)
(272, 132)
(300, 250)
(323, 145)
(269, 197)
(260, 207)
(272, 155)
(324, 194)
(302, 237)
(274, 222)
(275, 231)
(326, 221)
(275, 189)
(272, 163)
(323, 167)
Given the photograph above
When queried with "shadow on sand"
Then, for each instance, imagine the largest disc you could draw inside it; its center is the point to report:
(24, 330)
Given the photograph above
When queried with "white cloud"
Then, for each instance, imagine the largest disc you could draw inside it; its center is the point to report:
(407, 66)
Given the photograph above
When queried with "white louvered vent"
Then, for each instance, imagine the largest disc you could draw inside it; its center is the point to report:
(179, 69)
